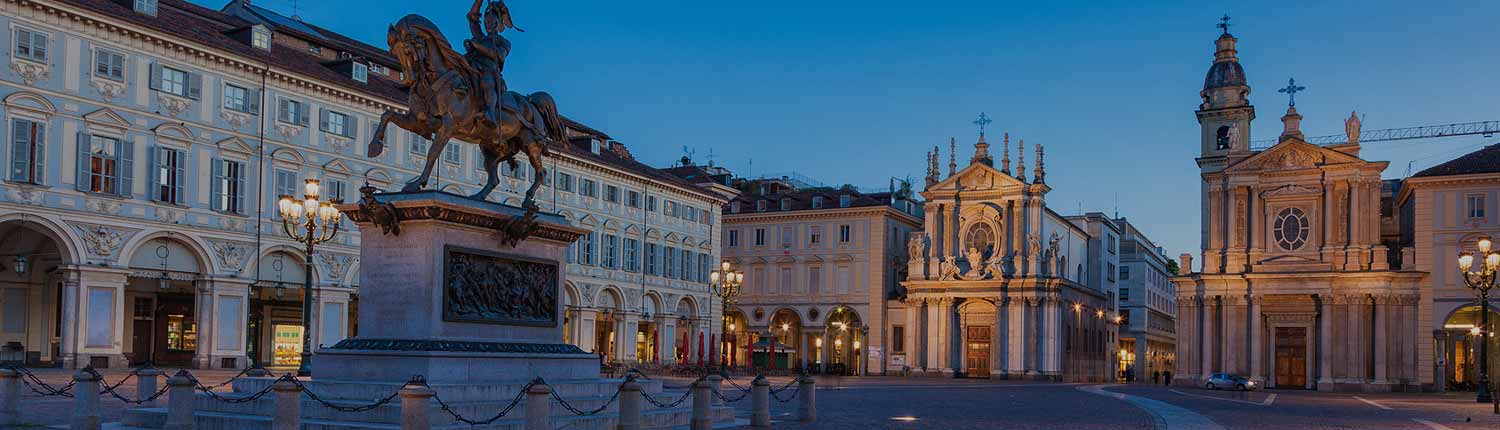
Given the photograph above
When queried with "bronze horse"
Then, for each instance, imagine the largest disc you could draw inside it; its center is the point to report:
(445, 103)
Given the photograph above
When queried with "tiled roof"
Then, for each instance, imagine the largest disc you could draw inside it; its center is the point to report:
(803, 200)
(1485, 160)
(208, 27)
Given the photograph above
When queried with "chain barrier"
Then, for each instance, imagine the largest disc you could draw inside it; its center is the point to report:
(788, 399)
(579, 412)
(789, 384)
(675, 403)
(216, 396)
(736, 386)
(721, 396)
(639, 374)
(245, 371)
(111, 390)
(503, 412)
(362, 408)
(30, 378)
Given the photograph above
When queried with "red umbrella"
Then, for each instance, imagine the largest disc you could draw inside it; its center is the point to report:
(712, 349)
(700, 348)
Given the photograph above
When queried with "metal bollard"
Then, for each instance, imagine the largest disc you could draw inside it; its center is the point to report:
(718, 385)
(630, 404)
(702, 390)
(807, 407)
(180, 402)
(288, 410)
(760, 402)
(86, 400)
(145, 386)
(415, 400)
(539, 407)
(10, 397)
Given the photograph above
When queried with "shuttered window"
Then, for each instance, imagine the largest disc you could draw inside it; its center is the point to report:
(229, 186)
(169, 176)
(241, 99)
(28, 151)
(105, 164)
(176, 81)
(291, 112)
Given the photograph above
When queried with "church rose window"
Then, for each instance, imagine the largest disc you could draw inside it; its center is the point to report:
(980, 237)
(1291, 229)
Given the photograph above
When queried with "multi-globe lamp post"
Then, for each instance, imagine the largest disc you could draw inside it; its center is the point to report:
(726, 284)
(1481, 281)
(309, 222)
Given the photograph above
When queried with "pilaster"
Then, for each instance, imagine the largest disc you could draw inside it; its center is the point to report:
(1326, 303)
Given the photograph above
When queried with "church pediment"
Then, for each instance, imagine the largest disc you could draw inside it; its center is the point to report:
(1292, 154)
(976, 176)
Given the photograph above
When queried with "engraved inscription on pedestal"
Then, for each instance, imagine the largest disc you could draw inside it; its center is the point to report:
(489, 288)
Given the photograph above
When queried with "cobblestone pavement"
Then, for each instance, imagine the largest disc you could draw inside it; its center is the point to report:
(955, 404)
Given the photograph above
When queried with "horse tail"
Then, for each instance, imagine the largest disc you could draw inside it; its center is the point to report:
(548, 108)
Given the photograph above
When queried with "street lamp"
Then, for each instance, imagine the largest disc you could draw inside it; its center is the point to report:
(319, 222)
(1481, 281)
(725, 284)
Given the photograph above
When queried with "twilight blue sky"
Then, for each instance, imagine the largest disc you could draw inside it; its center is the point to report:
(856, 91)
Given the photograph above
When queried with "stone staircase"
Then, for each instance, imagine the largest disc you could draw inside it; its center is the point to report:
(475, 402)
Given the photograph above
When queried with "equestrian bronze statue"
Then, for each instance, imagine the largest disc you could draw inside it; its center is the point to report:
(453, 96)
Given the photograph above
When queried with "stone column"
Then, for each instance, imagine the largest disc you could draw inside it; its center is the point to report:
(914, 352)
(1213, 257)
(1016, 343)
(1382, 306)
(1353, 339)
(1000, 345)
(1235, 345)
(1325, 342)
(1210, 341)
(1440, 368)
(934, 335)
(944, 325)
(72, 339)
(1257, 340)
(1039, 337)
(203, 315)
(625, 338)
(668, 336)
(1054, 337)
(587, 317)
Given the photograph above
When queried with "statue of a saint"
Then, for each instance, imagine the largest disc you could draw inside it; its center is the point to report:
(1351, 127)
(976, 264)
(916, 246)
(487, 50)
(948, 269)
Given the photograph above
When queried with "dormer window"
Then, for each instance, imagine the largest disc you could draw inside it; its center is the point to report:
(734, 207)
(360, 72)
(760, 205)
(147, 7)
(260, 37)
(786, 203)
(844, 201)
(817, 202)
(378, 69)
(594, 146)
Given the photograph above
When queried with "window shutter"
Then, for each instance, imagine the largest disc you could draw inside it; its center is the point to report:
(252, 101)
(218, 184)
(239, 186)
(82, 179)
(127, 167)
(19, 149)
(153, 173)
(282, 112)
(351, 127)
(323, 119)
(181, 187)
(39, 165)
(155, 81)
(302, 113)
(195, 85)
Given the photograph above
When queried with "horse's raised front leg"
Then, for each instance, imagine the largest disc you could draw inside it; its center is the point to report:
(491, 170)
(439, 141)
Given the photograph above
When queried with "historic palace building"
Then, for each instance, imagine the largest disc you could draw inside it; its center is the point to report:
(148, 138)
(1000, 285)
(1148, 307)
(820, 266)
(1296, 288)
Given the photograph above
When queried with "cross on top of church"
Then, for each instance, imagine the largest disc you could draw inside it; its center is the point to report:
(1224, 23)
(983, 121)
(1291, 91)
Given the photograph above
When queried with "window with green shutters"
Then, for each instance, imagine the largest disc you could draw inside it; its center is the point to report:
(28, 151)
(105, 164)
(291, 112)
(632, 255)
(175, 81)
(229, 186)
(169, 176)
(336, 123)
(238, 98)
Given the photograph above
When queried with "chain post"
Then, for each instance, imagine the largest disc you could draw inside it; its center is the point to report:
(416, 398)
(807, 408)
(702, 400)
(760, 402)
(86, 400)
(145, 386)
(717, 382)
(288, 409)
(538, 406)
(630, 404)
(180, 401)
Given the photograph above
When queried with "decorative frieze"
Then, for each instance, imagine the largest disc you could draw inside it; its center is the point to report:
(103, 242)
(232, 255)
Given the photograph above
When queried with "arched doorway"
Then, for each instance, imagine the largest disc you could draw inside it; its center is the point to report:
(31, 292)
(276, 323)
(845, 343)
(164, 322)
(570, 313)
(646, 349)
(689, 339)
(1464, 333)
(605, 336)
(780, 347)
(736, 328)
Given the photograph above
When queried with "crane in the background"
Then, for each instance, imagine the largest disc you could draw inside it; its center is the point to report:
(1482, 128)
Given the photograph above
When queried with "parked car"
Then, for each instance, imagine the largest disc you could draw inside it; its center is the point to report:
(1229, 381)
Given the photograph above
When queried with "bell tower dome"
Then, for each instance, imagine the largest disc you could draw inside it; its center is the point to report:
(1225, 113)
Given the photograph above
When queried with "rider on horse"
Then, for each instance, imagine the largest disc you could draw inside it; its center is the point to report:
(487, 51)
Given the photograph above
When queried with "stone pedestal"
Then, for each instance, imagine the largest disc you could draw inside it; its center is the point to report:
(442, 294)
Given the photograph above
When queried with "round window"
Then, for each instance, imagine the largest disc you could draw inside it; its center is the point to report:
(980, 237)
(1291, 229)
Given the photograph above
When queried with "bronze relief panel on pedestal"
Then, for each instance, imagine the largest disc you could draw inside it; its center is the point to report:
(491, 288)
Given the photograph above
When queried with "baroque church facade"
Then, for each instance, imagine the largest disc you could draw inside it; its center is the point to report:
(999, 285)
(1296, 288)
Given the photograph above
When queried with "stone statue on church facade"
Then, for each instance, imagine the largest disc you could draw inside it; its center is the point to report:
(976, 264)
(916, 246)
(1351, 127)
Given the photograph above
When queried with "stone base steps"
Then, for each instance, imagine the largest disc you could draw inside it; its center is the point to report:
(155, 418)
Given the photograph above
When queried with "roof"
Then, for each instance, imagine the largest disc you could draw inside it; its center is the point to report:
(279, 22)
(802, 200)
(1224, 74)
(1485, 160)
(210, 28)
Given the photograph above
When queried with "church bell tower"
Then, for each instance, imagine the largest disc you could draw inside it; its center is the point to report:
(1225, 113)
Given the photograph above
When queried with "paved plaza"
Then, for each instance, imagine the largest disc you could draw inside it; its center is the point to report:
(949, 404)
